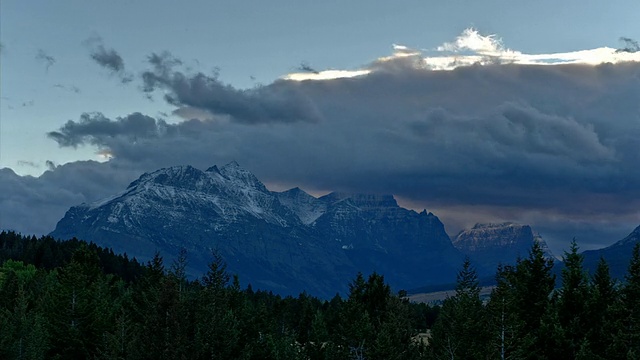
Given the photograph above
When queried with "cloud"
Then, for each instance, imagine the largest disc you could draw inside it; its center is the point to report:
(50, 165)
(95, 128)
(47, 59)
(501, 135)
(472, 48)
(71, 88)
(46, 198)
(109, 59)
(279, 102)
(533, 143)
(472, 40)
(630, 45)
(28, 163)
(307, 68)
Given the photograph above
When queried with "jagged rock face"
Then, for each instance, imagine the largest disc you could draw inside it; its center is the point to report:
(617, 255)
(491, 244)
(286, 242)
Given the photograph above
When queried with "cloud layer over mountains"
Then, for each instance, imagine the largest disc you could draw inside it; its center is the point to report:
(509, 140)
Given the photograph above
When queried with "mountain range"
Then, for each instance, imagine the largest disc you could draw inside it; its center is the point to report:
(286, 242)
(290, 241)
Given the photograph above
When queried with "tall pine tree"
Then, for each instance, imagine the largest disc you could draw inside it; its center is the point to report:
(460, 331)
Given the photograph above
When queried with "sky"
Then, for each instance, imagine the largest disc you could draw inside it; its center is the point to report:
(484, 111)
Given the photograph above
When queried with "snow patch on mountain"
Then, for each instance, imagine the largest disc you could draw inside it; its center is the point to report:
(306, 207)
(231, 192)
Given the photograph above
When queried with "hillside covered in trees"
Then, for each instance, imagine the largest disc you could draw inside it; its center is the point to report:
(61, 300)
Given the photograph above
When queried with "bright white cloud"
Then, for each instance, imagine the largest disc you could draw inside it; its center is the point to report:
(473, 48)
(325, 75)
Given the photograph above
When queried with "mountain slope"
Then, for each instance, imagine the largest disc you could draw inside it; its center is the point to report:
(286, 242)
(617, 255)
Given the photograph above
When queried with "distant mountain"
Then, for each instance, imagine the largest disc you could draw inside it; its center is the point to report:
(488, 245)
(286, 242)
(617, 255)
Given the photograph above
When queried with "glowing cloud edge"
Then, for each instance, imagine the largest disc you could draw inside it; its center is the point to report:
(472, 48)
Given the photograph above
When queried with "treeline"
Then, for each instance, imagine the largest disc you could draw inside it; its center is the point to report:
(73, 300)
(64, 300)
(527, 317)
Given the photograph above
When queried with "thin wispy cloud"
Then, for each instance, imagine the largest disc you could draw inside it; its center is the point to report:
(307, 68)
(28, 163)
(45, 58)
(108, 58)
(71, 88)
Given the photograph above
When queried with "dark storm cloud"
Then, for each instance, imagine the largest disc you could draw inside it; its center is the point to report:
(95, 128)
(535, 144)
(279, 102)
(45, 58)
(46, 198)
(509, 135)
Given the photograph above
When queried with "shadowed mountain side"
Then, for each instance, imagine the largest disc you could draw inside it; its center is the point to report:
(617, 255)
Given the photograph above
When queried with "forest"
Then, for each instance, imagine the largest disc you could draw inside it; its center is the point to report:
(75, 300)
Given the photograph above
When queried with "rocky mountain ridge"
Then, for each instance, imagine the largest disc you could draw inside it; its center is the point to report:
(286, 242)
(497, 243)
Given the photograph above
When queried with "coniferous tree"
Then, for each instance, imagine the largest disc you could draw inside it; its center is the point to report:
(393, 338)
(572, 303)
(119, 341)
(76, 310)
(318, 337)
(151, 313)
(504, 323)
(217, 332)
(601, 306)
(355, 328)
(22, 328)
(523, 324)
(627, 339)
(534, 284)
(460, 331)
